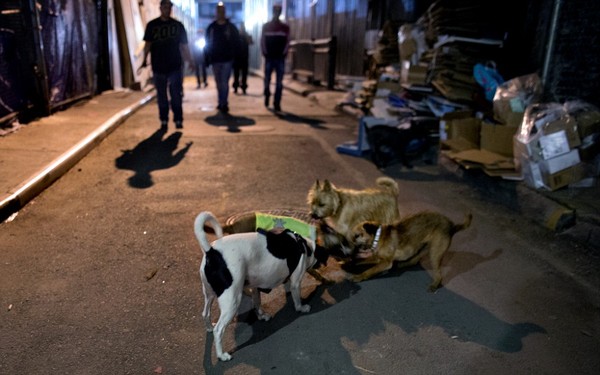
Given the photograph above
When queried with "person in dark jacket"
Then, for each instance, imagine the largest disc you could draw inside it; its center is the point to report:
(166, 41)
(240, 64)
(221, 45)
(274, 44)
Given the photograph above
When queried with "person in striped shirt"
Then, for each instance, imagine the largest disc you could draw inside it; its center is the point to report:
(275, 41)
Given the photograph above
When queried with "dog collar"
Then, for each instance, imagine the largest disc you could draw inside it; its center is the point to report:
(376, 240)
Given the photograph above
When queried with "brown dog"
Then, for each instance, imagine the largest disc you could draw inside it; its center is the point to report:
(345, 208)
(406, 242)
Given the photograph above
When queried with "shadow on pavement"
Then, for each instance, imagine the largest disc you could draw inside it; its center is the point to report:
(303, 342)
(295, 119)
(151, 154)
(261, 330)
(232, 122)
(460, 262)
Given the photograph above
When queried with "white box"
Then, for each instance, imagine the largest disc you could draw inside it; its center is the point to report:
(560, 162)
(554, 144)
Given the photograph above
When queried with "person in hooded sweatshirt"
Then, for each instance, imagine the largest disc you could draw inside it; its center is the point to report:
(222, 43)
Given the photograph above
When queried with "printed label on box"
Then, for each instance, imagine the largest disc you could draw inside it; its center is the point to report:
(560, 162)
(554, 144)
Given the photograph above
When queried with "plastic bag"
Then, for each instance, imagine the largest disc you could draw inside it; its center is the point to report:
(513, 96)
(488, 77)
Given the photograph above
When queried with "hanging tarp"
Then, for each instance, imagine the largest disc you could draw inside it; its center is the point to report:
(70, 46)
(11, 61)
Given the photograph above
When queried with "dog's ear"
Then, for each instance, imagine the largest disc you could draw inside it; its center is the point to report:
(326, 185)
(370, 227)
(317, 184)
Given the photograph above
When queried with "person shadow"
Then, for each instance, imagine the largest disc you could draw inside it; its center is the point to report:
(296, 119)
(232, 122)
(152, 154)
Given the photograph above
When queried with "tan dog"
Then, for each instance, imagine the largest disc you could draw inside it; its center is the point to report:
(406, 242)
(346, 208)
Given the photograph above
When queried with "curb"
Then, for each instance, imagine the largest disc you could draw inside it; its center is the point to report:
(45, 177)
(558, 217)
(517, 197)
(545, 211)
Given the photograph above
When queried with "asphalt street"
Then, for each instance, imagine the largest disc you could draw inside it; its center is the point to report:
(100, 271)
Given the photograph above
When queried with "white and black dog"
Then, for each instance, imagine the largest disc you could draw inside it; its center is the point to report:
(259, 260)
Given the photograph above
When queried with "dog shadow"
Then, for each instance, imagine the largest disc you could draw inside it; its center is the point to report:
(295, 119)
(325, 336)
(460, 262)
(288, 314)
(152, 154)
(232, 122)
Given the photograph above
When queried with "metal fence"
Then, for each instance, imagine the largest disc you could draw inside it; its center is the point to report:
(314, 61)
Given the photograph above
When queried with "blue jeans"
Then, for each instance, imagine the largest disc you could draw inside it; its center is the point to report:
(222, 72)
(174, 83)
(278, 65)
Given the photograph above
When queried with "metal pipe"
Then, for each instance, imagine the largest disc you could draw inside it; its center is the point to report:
(550, 46)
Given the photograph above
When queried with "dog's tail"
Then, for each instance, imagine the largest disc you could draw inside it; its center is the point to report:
(389, 184)
(201, 219)
(463, 226)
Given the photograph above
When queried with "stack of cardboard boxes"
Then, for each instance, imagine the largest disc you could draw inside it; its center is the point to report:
(553, 146)
(548, 146)
(476, 144)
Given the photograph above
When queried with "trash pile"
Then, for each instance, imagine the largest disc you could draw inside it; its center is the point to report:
(558, 145)
(446, 90)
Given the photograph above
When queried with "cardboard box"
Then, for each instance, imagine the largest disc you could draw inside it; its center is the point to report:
(531, 174)
(417, 74)
(588, 123)
(497, 138)
(407, 45)
(509, 111)
(589, 152)
(393, 86)
(554, 144)
(461, 125)
(559, 163)
(457, 145)
(569, 125)
(563, 178)
(542, 147)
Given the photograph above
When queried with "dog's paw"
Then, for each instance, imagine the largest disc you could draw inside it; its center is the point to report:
(224, 356)
(263, 316)
(356, 279)
(303, 308)
(433, 288)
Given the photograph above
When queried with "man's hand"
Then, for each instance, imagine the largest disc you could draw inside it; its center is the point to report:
(141, 67)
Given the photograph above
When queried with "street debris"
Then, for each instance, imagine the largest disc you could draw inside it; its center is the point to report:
(151, 273)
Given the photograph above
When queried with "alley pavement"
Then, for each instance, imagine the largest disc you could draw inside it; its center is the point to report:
(34, 155)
